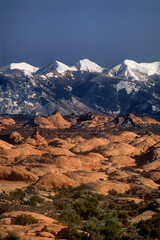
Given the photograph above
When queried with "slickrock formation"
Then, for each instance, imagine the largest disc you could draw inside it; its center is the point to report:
(7, 121)
(89, 145)
(116, 148)
(121, 161)
(58, 121)
(5, 145)
(43, 122)
(56, 179)
(37, 139)
(93, 155)
(16, 174)
(15, 138)
(123, 137)
(132, 120)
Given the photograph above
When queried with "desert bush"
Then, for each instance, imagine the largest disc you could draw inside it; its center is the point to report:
(112, 230)
(112, 192)
(24, 219)
(87, 208)
(17, 195)
(111, 205)
(11, 236)
(71, 234)
(44, 229)
(122, 215)
(133, 213)
(150, 229)
(94, 228)
(100, 197)
(4, 208)
(61, 205)
(70, 217)
(35, 199)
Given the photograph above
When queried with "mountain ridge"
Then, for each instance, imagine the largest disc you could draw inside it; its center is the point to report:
(79, 89)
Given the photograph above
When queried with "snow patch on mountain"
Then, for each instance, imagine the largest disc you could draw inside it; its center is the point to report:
(128, 86)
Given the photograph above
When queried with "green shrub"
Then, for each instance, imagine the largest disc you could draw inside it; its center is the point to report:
(112, 230)
(133, 213)
(10, 236)
(44, 229)
(70, 217)
(35, 199)
(150, 229)
(94, 228)
(87, 208)
(4, 208)
(71, 234)
(111, 205)
(61, 205)
(18, 195)
(24, 219)
(112, 192)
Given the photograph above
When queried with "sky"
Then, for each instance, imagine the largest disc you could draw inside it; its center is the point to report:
(105, 31)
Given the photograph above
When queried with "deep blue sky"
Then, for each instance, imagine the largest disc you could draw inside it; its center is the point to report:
(105, 31)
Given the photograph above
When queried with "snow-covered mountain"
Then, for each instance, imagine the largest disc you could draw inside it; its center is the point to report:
(26, 68)
(82, 65)
(56, 66)
(135, 71)
(88, 66)
(127, 87)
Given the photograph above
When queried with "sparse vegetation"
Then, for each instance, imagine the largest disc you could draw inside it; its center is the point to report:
(24, 219)
(10, 236)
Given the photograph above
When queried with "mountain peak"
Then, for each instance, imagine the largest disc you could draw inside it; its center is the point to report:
(88, 66)
(61, 67)
(136, 71)
(26, 68)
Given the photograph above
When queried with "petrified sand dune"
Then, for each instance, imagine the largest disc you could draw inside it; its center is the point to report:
(43, 122)
(89, 145)
(143, 143)
(57, 142)
(105, 186)
(29, 232)
(15, 138)
(123, 137)
(16, 174)
(153, 165)
(82, 176)
(56, 179)
(36, 139)
(7, 121)
(40, 217)
(94, 156)
(60, 151)
(75, 139)
(122, 161)
(5, 145)
(116, 148)
(143, 216)
(21, 150)
(58, 121)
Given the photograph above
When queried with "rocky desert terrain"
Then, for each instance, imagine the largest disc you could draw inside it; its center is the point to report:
(94, 176)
